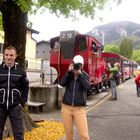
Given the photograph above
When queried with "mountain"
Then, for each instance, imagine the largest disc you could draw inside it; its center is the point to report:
(114, 31)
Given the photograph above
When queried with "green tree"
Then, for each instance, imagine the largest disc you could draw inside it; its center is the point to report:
(111, 48)
(126, 48)
(136, 56)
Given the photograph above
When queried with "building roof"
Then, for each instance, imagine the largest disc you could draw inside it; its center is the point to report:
(33, 31)
(43, 41)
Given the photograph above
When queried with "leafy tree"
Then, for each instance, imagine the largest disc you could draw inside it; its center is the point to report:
(136, 56)
(126, 48)
(111, 48)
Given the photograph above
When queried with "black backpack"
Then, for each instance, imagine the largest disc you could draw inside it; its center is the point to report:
(116, 75)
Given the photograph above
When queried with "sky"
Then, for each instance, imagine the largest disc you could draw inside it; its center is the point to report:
(50, 26)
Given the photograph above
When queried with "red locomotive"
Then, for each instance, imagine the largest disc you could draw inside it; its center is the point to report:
(71, 43)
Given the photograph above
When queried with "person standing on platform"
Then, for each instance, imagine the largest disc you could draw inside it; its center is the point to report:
(114, 72)
(73, 111)
(137, 71)
(14, 87)
(137, 81)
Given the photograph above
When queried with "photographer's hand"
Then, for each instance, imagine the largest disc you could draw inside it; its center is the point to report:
(79, 72)
(70, 67)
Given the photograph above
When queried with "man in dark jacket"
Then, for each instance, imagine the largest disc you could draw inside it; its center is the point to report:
(77, 83)
(14, 87)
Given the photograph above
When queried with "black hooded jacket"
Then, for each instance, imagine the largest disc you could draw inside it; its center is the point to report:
(76, 89)
(14, 86)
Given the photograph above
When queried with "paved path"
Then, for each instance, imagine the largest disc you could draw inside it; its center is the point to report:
(117, 120)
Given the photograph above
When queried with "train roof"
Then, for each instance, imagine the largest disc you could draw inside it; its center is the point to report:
(118, 55)
(57, 38)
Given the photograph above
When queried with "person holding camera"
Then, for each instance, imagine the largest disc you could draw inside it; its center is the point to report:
(73, 111)
(114, 75)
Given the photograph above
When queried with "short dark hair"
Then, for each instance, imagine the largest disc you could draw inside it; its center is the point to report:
(11, 48)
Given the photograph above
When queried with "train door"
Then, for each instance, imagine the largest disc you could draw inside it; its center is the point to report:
(125, 69)
(96, 69)
(82, 49)
(55, 54)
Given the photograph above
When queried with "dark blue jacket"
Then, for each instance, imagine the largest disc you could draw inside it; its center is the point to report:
(14, 86)
(76, 90)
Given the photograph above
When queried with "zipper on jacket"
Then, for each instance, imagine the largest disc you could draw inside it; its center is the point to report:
(8, 89)
(73, 92)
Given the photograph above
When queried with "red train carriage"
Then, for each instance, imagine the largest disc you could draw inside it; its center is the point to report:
(71, 43)
(127, 66)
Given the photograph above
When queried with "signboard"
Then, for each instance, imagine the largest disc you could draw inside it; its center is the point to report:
(67, 35)
(67, 42)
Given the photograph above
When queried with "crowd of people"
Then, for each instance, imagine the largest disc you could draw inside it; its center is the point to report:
(14, 87)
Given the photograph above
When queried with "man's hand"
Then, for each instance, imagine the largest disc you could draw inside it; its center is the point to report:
(70, 67)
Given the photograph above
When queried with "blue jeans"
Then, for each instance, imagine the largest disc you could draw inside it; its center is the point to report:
(113, 89)
(15, 116)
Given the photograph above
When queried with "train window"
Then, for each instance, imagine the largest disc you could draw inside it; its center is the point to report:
(82, 44)
(126, 63)
(94, 47)
(111, 60)
(56, 46)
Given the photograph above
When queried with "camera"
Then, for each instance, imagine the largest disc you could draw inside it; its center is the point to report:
(76, 66)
